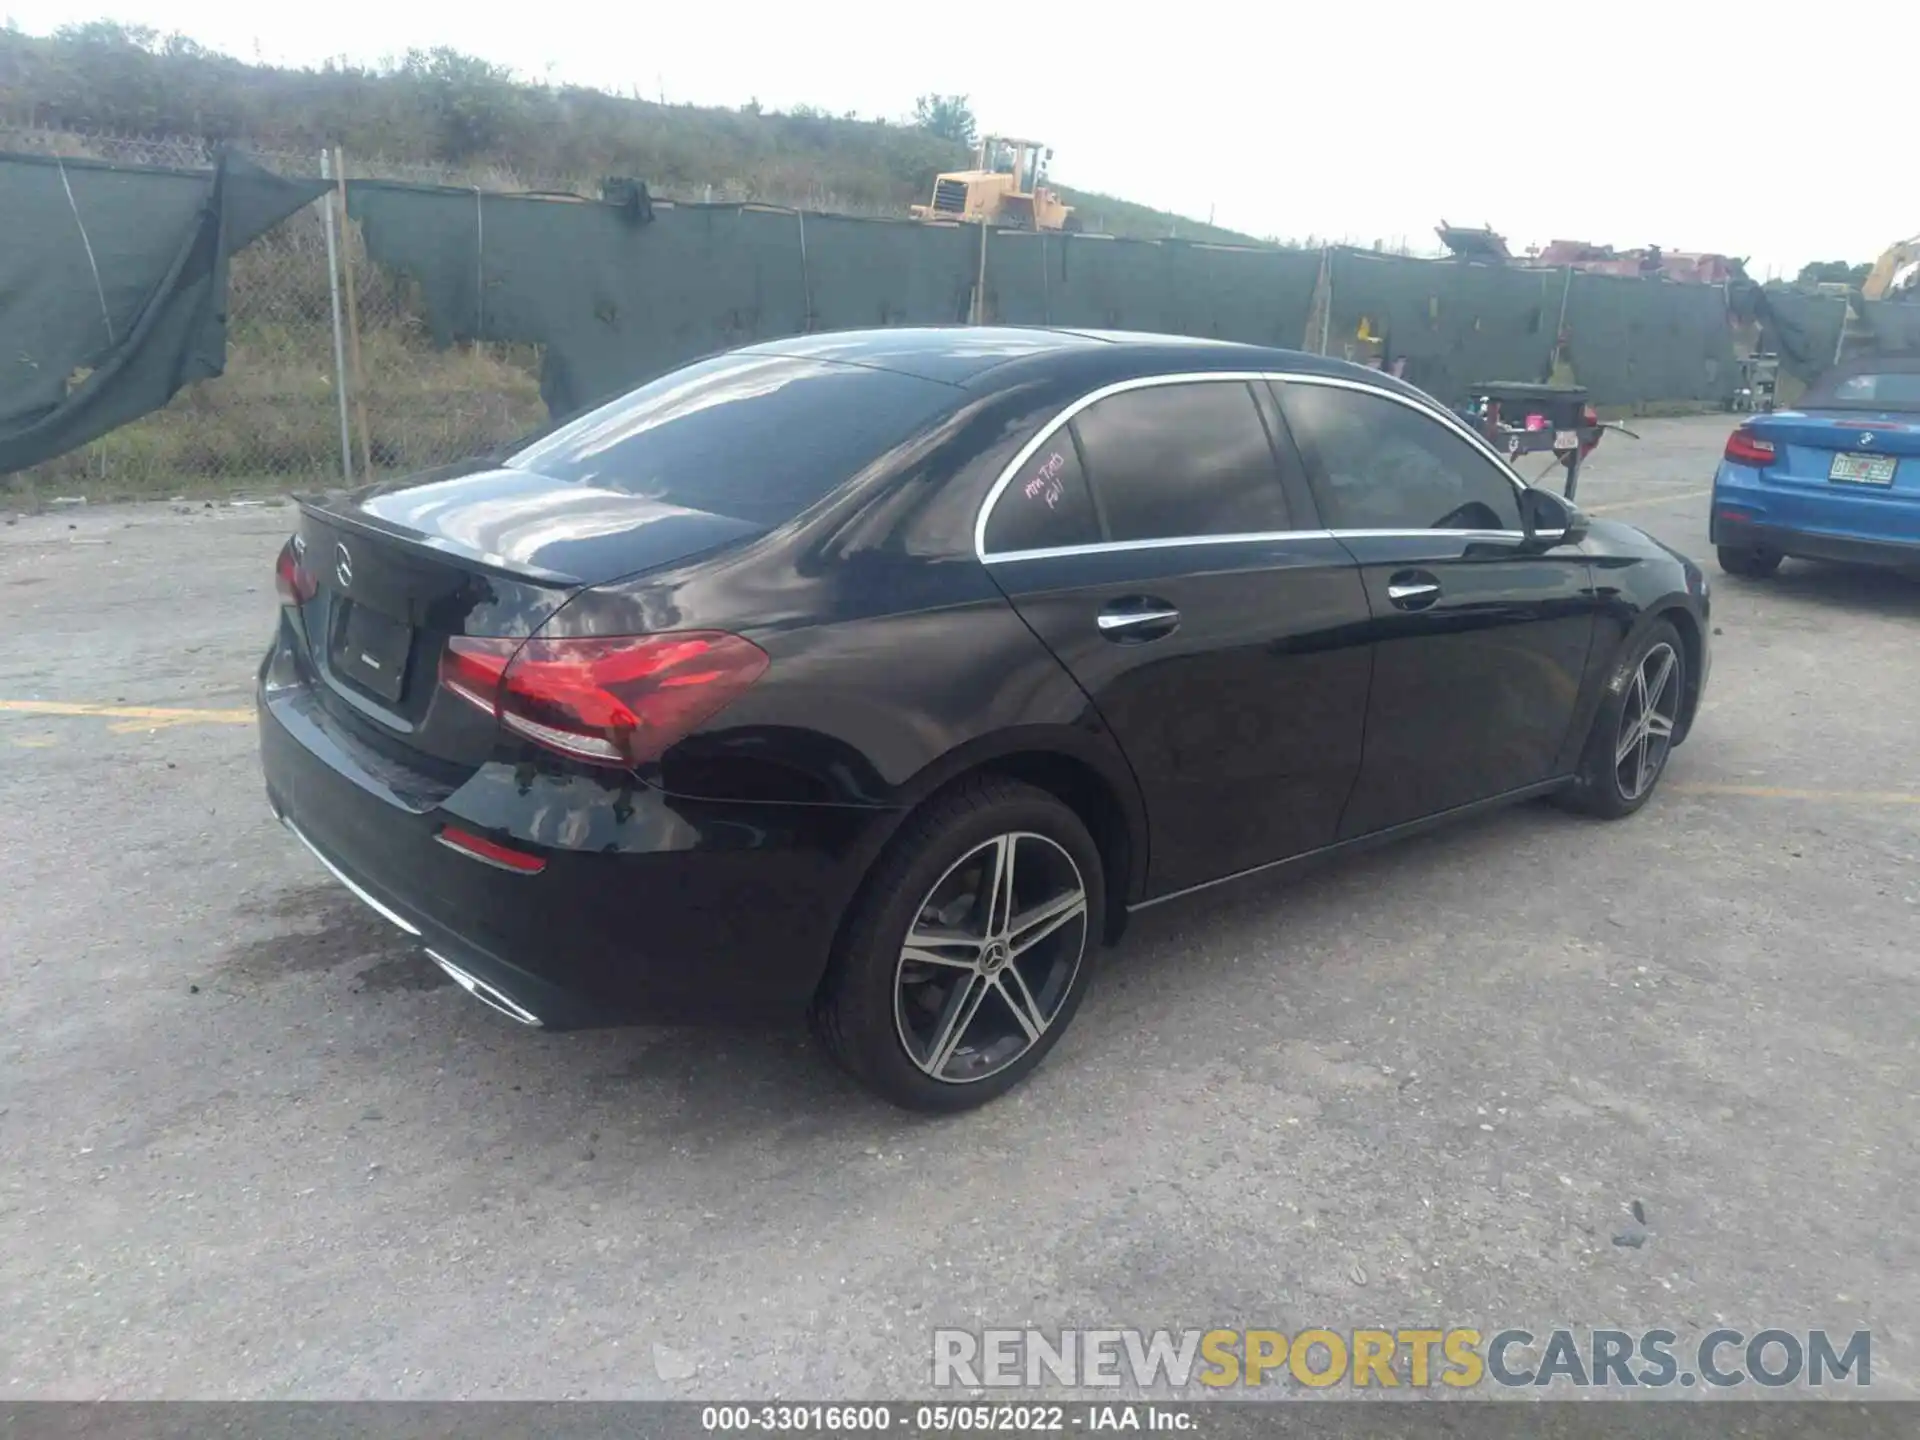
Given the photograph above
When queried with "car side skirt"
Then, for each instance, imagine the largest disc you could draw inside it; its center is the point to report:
(1327, 854)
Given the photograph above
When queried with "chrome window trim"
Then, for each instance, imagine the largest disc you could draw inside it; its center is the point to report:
(1111, 547)
(1244, 377)
(1115, 547)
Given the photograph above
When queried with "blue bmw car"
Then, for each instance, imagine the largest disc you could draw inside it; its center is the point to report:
(1837, 478)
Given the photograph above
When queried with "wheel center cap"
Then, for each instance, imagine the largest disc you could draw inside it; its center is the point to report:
(997, 957)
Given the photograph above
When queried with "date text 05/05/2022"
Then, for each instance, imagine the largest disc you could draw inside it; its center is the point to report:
(934, 1419)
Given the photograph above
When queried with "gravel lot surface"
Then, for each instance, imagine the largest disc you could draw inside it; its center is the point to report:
(252, 1144)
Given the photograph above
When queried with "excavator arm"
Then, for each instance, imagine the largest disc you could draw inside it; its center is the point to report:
(1901, 256)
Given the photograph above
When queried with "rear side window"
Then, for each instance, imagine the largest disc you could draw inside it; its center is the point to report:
(753, 437)
(1892, 390)
(1181, 460)
(1045, 504)
(1380, 465)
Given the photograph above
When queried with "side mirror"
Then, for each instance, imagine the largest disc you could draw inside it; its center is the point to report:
(1548, 519)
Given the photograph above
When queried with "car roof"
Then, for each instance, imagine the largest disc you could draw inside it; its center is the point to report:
(984, 357)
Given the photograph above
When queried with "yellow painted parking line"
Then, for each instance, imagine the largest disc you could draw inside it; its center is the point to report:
(1651, 500)
(133, 717)
(1780, 792)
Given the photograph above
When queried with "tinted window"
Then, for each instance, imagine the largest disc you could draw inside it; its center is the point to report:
(1386, 467)
(1045, 504)
(1176, 460)
(754, 437)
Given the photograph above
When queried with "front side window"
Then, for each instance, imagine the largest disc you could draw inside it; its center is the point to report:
(1188, 459)
(1385, 466)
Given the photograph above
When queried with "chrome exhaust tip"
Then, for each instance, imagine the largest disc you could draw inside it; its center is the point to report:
(486, 994)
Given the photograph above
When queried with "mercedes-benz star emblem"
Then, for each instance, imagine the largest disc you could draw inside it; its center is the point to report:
(343, 566)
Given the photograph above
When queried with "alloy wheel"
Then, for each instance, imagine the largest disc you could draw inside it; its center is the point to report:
(1646, 722)
(991, 957)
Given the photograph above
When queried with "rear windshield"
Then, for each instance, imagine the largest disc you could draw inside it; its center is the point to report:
(1889, 389)
(753, 437)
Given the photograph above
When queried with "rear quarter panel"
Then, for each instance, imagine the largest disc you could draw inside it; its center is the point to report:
(896, 664)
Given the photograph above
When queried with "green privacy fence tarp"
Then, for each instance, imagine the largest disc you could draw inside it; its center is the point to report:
(1453, 324)
(113, 289)
(1803, 330)
(1630, 341)
(616, 300)
(1261, 297)
(113, 283)
(1894, 325)
(1809, 332)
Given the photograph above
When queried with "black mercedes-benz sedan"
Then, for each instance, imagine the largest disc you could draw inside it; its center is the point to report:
(878, 676)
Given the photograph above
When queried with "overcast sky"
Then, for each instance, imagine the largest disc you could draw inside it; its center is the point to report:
(1618, 122)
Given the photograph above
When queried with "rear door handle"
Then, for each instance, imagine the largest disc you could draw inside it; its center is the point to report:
(1412, 590)
(1138, 618)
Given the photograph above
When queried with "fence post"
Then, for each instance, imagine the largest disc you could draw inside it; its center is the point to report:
(339, 340)
(1326, 312)
(806, 275)
(353, 319)
(1560, 329)
(479, 268)
(1046, 281)
(980, 282)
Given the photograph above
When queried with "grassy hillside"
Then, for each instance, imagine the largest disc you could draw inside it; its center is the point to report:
(444, 109)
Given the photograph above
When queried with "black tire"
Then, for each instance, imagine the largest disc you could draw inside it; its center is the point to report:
(1599, 788)
(868, 1001)
(1749, 561)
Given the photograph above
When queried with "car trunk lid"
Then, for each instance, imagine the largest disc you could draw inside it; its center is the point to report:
(1812, 438)
(398, 571)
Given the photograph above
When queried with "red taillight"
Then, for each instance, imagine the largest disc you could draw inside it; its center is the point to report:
(290, 575)
(472, 668)
(1589, 417)
(491, 851)
(1746, 448)
(616, 701)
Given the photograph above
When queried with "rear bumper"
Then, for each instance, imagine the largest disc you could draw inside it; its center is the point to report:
(650, 908)
(1814, 522)
(1813, 544)
(521, 997)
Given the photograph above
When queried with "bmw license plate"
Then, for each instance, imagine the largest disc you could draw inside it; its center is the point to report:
(1862, 469)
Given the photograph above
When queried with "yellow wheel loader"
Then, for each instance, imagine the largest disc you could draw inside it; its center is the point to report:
(1005, 187)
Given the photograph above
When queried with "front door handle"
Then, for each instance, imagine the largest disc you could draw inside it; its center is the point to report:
(1412, 590)
(1138, 618)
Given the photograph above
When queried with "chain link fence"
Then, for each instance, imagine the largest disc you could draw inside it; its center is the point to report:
(273, 421)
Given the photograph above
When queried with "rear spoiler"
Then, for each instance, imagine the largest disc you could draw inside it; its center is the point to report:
(469, 557)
